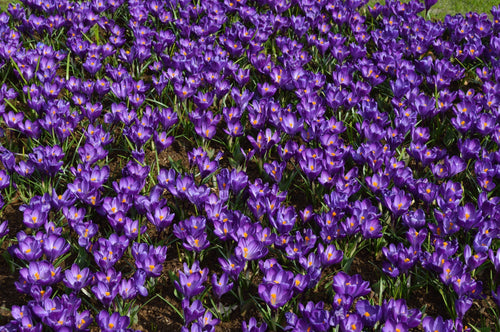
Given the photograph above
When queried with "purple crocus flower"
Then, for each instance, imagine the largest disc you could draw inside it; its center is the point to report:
(224, 228)
(29, 128)
(149, 258)
(462, 305)
(131, 228)
(7, 158)
(58, 312)
(354, 286)
(315, 315)
(221, 286)
(109, 251)
(266, 90)
(35, 216)
(47, 159)
(92, 65)
(482, 241)
(371, 228)
(86, 231)
(29, 324)
(92, 111)
(161, 217)
(138, 134)
(260, 144)
(378, 182)
(19, 312)
(139, 280)
(203, 100)
(40, 273)
(310, 164)
(118, 221)
(301, 282)
(192, 311)
(394, 326)
(398, 314)
(348, 183)
(250, 248)
(113, 322)
(191, 280)
(312, 265)
(196, 327)
(290, 124)
(466, 287)
(197, 242)
(151, 266)
(113, 205)
(416, 238)
(496, 296)
(105, 293)
(467, 216)
(29, 248)
(275, 170)
(55, 246)
(329, 255)
(469, 148)
(437, 324)
(495, 258)
(76, 278)
(283, 219)
(300, 245)
(238, 180)
(252, 326)
(162, 140)
(82, 320)
(234, 128)
(183, 91)
(48, 306)
(127, 289)
(96, 176)
(232, 266)
(351, 323)
(118, 111)
(400, 257)
(167, 118)
(207, 166)
(207, 321)
(398, 201)
(370, 314)
(13, 120)
(275, 274)
(473, 261)
(51, 229)
(181, 186)
(4, 180)
(414, 219)
(91, 153)
(275, 295)
(288, 151)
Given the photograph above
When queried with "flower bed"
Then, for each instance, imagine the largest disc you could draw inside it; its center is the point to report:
(248, 165)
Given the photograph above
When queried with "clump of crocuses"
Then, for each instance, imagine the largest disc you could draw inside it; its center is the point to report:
(257, 152)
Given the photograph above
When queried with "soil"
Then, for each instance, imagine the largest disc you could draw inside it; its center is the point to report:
(156, 314)
(9, 295)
